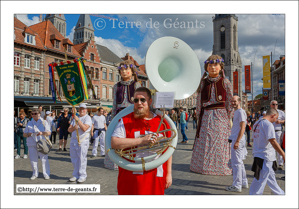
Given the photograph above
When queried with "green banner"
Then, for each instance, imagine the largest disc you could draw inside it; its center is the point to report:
(71, 84)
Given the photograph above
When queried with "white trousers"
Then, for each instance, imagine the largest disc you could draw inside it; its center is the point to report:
(237, 157)
(95, 143)
(267, 176)
(102, 142)
(99, 138)
(279, 157)
(33, 156)
(79, 158)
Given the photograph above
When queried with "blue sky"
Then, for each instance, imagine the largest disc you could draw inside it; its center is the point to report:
(258, 35)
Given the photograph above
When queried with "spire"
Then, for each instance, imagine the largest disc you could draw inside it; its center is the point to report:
(84, 21)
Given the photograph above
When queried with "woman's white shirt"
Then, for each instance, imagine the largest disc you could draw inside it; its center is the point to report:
(34, 126)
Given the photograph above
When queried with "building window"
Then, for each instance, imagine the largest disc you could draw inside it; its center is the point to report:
(222, 39)
(26, 85)
(97, 73)
(36, 86)
(104, 89)
(104, 75)
(223, 57)
(27, 61)
(69, 48)
(17, 59)
(16, 84)
(57, 44)
(91, 56)
(36, 63)
(110, 75)
(96, 91)
(29, 39)
(143, 84)
(110, 92)
(117, 77)
(92, 72)
(50, 91)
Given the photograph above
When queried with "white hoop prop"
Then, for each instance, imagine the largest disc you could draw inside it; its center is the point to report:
(131, 166)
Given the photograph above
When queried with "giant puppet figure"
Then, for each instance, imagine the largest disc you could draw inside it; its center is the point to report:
(123, 93)
(211, 148)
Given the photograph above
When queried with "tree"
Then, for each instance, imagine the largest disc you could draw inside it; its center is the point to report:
(258, 96)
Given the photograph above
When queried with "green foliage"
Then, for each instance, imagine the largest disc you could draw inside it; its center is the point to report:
(258, 96)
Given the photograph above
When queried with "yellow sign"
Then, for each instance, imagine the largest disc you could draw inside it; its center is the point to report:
(266, 72)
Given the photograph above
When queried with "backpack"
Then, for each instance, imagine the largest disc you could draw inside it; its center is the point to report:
(186, 116)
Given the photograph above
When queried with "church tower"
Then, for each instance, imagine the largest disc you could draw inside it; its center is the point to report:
(58, 20)
(225, 32)
(83, 30)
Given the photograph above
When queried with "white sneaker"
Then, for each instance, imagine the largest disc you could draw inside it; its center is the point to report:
(17, 157)
(73, 179)
(47, 177)
(233, 189)
(81, 180)
(245, 186)
(25, 157)
(33, 178)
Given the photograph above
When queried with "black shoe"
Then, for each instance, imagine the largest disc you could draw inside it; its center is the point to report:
(59, 150)
(64, 149)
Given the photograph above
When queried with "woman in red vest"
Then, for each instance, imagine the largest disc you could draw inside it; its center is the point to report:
(211, 148)
(123, 93)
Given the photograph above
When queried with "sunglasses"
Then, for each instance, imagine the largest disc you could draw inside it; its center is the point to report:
(274, 104)
(143, 100)
(34, 113)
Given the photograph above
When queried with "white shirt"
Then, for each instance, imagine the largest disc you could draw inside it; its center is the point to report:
(239, 116)
(36, 126)
(49, 119)
(262, 148)
(120, 130)
(86, 119)
(277, 126)
(99, 121)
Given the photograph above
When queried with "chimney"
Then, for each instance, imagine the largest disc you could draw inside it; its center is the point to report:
(127, 56)
(40, 18)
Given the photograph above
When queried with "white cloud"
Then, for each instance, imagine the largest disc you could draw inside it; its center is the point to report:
(71, 35)
(24, 19)
(119, 49)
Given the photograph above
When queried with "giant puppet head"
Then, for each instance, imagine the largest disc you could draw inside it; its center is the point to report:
(127, 70)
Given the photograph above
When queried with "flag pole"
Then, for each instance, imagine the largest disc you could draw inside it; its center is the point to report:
(76, 124)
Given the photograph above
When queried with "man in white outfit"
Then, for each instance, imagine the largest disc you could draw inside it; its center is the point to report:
(78, 152)
(238, 148)
(278, 129)
(98, 130)
(264, 147)
(37, 129)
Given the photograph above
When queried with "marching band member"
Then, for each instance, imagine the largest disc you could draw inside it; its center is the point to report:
(37, 124)
(211, 148)
(78, 153)
(97, 132)
(125, 135)
(123, 92)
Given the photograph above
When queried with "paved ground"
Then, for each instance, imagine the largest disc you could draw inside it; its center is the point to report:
(185, 182)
